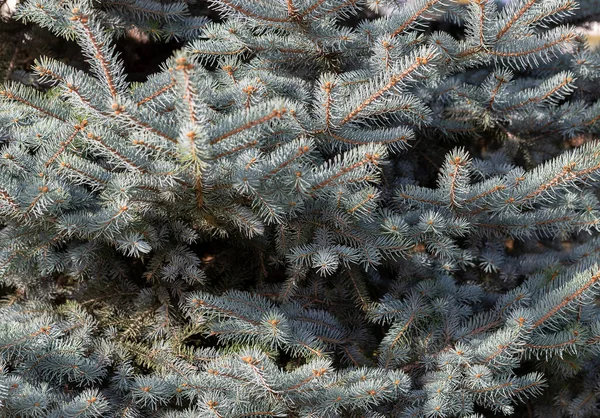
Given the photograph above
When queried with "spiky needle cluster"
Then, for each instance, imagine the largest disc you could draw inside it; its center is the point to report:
(255, 230)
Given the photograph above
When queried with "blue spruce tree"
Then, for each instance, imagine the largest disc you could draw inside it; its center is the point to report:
(304, 213)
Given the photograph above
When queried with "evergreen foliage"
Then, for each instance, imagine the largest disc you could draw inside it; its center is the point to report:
(297, 216)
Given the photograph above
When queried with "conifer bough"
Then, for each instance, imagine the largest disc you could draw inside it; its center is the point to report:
(256, 230)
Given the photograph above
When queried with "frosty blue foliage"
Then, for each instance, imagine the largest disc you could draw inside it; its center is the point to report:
(255, 230)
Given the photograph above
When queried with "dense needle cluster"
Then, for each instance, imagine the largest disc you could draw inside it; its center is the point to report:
(299, 216)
